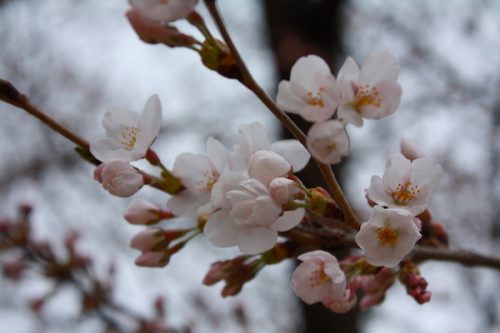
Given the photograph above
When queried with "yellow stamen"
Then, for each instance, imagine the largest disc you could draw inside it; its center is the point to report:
(129, 137)
(405, 193)
(366, 95)
(314, 99)
(387, 235)
(318, 277)
(208, 182)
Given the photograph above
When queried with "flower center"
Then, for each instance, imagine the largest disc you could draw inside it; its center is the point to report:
(388, 235)
(366, 95)
(318, 277)
(405, 193)
(314, 99)
(209, 180)
(129, 137)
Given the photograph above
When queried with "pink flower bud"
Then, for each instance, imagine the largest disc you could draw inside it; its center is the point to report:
(119, 178)
(409, 150)
(152, 32)
(152, 259)
(265, 165)
(142, 212)
(282, 189)
(147, 240)
(161, 10)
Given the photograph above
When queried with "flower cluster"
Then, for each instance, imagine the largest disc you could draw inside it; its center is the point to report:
(245, 192)
(369, 92)
(247, 195)
(399, 197)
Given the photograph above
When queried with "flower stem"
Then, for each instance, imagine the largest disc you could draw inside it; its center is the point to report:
(248, 80)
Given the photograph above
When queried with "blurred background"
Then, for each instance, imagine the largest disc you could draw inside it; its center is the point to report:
(75, 59)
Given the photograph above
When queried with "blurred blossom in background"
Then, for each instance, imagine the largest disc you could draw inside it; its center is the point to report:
(75, 59)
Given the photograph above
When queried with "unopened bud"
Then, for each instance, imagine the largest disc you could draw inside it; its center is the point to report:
(154, 32)
(218, 58)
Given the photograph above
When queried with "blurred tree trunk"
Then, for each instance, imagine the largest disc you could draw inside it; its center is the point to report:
(298, 28)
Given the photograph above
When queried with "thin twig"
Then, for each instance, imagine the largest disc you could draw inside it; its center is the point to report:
(248, 80)
(466, 258)
(10, 95)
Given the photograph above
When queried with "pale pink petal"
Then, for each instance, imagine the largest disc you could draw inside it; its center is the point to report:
(195, 172)
(289, 219)
(149, 125)
(377, 193)
(349, 71)
(397, 171)
(164, 10)
(186, 202)
(305, 69)
(254, 136)
(301, 283)
(389, 93)
(424, 171)
(287, 100)
(378, 67)
(349, 114)
(318, 254)
(293, 152)
(328, 141)
(265, 165)
(257, 240)
(106, 150)
(217, 153)
(221, 230)
(282, 189)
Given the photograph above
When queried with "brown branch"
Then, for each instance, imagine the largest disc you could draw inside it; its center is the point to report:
(248, 80)
(466, 258)
(10, 95)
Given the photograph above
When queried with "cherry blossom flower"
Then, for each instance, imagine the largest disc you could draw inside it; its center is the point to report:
(254, 137)
(328, 141)
(388, 236)
(128, 136)
(319, 278)
(405, 184)
(370, 92)
(312, 90)
(143, 212)
(164, 10)
(119, 178)
(249, 215)
(198, 173)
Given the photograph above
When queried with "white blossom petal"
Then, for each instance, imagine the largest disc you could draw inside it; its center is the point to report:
(378, 67)
(328, 141)
(186, 202)
(289, 219)
(257, 240)
(221, 230)
(293, 152)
